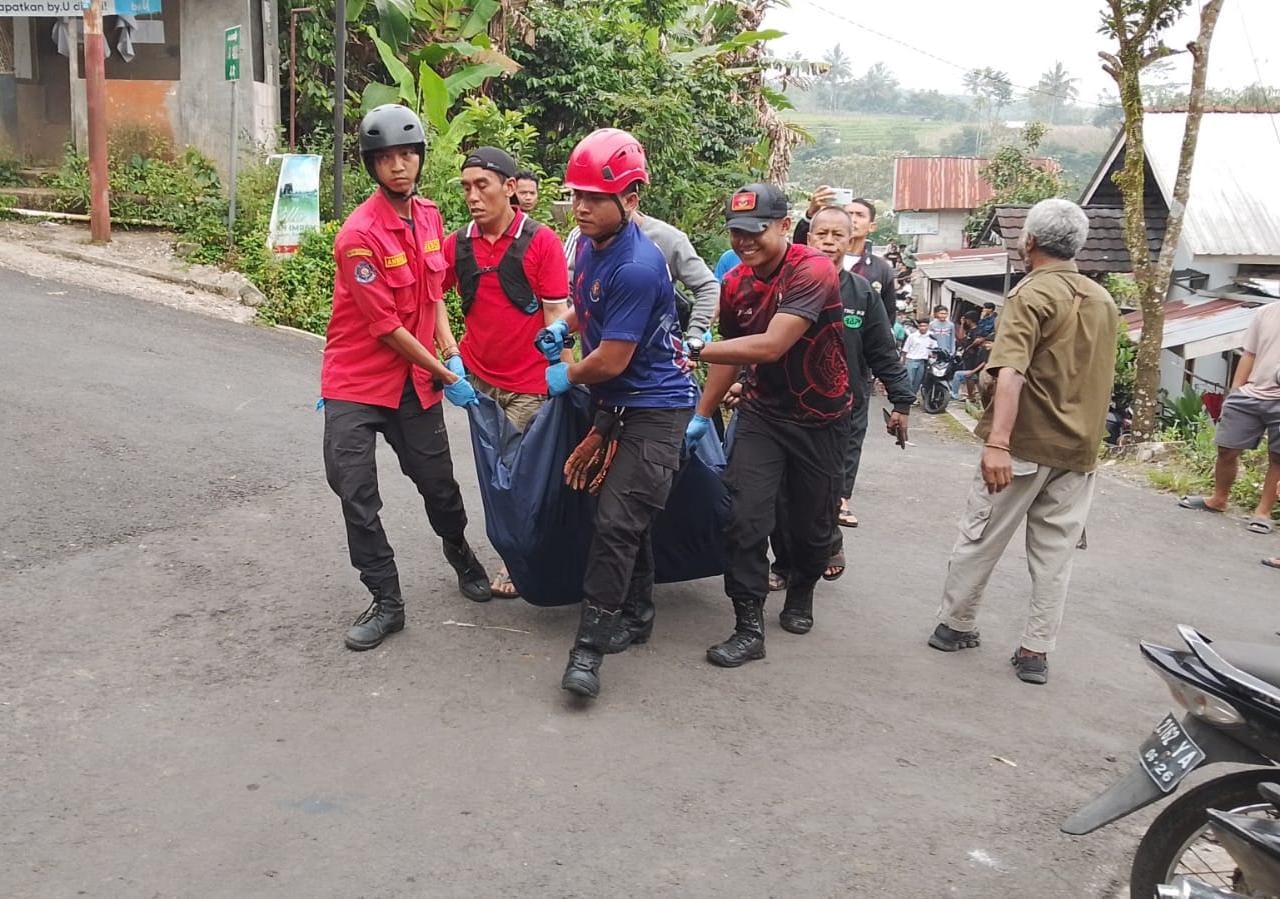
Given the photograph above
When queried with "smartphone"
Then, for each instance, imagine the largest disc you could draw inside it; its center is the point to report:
(902, 441)
(843, 197)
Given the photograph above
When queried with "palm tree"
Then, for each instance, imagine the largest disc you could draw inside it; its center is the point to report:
(836, 76)
(1055, 90)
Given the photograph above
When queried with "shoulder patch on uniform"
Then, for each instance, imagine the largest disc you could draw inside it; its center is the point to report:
(431, 246)
(357, 252)
(365, 273)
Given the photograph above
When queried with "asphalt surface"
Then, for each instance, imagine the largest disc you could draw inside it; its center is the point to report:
(178, 716)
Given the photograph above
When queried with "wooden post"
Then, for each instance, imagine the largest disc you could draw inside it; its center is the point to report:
(95, 80)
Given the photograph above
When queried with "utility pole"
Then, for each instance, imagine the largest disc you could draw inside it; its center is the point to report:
(95, 81)
(339, 100)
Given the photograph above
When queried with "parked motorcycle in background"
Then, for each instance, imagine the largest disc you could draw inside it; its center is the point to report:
(1231, 695)
(935, 391)
(1253, 846)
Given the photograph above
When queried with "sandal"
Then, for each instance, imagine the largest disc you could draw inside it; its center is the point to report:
(1272, 563)
(1198, 504)
(503, 587)
(777, 582)
(1261, 525)
(847, 519)
(835, 568)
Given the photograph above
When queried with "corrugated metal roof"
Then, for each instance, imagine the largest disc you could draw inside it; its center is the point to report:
(927, 183)
(1234, 207)
(1194, 319)
(970, 263)
(975, 295)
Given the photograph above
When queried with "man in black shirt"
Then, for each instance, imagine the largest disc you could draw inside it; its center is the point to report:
(859, 259)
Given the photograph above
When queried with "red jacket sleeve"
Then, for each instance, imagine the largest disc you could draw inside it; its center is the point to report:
(360, 277)
(450, 250)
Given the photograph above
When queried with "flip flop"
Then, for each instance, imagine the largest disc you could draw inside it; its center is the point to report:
(1272, 563)
(847, 519)
(1197, 504)
(1260, 525)
(502, 586)
(837, 564)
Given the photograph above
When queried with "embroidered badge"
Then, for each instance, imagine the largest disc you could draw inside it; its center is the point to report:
(396, 261)
(431, 246)
(365, 273)
(743, 202)
(852, 320)
(595, 291)
(876, 286)
(357, 252)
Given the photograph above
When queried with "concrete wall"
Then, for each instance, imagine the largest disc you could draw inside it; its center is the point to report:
(950, 234)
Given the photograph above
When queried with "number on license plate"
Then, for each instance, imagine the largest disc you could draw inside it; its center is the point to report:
(1169, 754)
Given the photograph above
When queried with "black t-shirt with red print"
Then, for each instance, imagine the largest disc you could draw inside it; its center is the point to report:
(809, 385)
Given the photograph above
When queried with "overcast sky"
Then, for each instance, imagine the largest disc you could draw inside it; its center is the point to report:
(1023, 38)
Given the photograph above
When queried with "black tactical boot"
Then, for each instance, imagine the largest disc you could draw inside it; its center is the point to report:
(746, 643)
(384, 616)
(636, 625)
(473, 581)
(582, 674)
(797, 613)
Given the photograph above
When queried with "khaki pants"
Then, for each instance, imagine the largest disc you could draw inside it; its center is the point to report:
(520, 407)
(1054, 503)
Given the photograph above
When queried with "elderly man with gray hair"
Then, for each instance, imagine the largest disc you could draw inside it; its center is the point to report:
(1054, 361)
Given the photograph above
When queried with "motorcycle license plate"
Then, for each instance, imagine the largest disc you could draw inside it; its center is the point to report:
(1169, 754)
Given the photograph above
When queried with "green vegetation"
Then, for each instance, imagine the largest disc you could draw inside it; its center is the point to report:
(1191, 470)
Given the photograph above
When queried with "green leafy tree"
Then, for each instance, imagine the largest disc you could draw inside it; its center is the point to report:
(1136, 27)
(1018, 177)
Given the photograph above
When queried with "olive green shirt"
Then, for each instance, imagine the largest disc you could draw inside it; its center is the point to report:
(1058, 329)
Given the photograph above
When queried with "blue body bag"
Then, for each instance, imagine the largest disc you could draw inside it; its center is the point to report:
(542, 529)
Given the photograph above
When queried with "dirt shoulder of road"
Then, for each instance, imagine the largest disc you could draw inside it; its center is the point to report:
(140, 264)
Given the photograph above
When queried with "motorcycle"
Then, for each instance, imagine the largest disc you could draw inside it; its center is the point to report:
(1119, 421)
(935, 392)
(1231, 695)
(1254, 847)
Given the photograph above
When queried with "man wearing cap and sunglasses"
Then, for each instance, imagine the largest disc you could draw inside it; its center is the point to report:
(380, 373)
(781, 317)
(511, 275)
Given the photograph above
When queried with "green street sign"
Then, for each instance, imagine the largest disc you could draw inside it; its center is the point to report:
(231, 57)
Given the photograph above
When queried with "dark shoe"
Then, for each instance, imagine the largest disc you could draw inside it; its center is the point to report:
(636, 625)
(796, 616)
(595, 630)
(950, 640)
(1032, 667)
(383, 617)
(746, 643)
(473, 581)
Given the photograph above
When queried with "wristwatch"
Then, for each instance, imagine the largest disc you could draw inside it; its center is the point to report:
(695, 345)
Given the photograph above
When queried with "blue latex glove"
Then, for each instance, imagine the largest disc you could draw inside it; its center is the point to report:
(550, 340)
(558, 378)
(705, 337)
(697, 429)
(461, 393)
(454, 364)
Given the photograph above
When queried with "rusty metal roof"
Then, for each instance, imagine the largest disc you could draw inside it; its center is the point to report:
(1104, 250)
(969, 263)
(926, 183)
(1234, 206)
(1215, 322)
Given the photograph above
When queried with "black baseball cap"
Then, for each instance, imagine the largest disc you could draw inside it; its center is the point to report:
(755, 207)
(493, 159)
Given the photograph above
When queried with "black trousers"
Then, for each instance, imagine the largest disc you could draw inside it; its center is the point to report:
(420, 442)
(857, 430)
(620, 559)
(778, 464)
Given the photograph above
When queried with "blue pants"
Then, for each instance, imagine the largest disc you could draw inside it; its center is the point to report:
(915, 371)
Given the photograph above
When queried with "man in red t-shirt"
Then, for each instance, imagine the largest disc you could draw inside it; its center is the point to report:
(511, 274)
(782, 318)
(379, 374)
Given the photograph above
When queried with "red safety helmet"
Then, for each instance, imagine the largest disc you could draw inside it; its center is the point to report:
(606, 161)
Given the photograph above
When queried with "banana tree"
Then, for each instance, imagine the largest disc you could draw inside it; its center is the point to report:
(434, 51)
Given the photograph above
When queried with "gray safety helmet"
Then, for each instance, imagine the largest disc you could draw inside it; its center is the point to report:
(390, 125)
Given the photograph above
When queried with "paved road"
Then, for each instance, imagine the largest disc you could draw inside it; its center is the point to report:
(178, 715)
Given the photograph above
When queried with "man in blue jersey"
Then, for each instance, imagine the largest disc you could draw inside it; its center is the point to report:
(633, 361)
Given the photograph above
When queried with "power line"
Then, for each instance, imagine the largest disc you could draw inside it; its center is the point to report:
(1257, 68)
(952, 63)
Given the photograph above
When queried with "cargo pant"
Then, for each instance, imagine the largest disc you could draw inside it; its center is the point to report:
(1054, 503)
